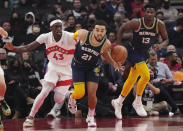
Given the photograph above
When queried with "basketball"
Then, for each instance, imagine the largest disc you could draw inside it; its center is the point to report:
(119, 53)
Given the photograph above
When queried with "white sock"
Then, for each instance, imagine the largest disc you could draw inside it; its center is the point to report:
(121, 99)
(91, 112)
(138, 99)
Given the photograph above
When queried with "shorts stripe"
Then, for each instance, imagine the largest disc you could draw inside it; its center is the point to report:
(64, 83)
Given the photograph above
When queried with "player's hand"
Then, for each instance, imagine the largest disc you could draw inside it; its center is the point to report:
(3, 33)
(117, 66)
(9, 46)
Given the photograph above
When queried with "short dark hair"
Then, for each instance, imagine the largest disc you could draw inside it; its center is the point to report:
(179, 22)
(170, 53)
(150, 5)
(100, 22)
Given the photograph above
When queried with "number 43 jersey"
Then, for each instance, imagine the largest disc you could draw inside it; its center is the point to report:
(60, 52)
(87, 54)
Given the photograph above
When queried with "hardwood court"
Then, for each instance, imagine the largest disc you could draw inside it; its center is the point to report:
(155, 123)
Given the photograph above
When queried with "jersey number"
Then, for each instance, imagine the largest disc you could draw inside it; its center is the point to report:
(58, 56)
(86, 57)
(145, 40)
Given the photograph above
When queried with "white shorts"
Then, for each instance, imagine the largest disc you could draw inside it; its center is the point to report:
(59, 75)
(1, 71)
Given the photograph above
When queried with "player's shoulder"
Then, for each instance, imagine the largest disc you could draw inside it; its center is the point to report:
(160, 22)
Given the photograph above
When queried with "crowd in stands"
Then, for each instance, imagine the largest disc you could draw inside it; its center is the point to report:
(30, 18)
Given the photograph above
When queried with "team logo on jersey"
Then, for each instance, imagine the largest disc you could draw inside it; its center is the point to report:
(96, 70)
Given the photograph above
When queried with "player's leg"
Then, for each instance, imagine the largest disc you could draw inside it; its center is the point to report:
(78, 78)
(4, 106)
(92, 101)
(117, 103)
(141, 84)
(92, 79)
(48, 84)
(61, 92)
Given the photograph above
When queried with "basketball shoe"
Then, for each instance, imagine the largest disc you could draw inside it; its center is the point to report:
(28, 122)
(91, 121)
(117, 107)
(5, 108)
(72, 106)
(139, 109)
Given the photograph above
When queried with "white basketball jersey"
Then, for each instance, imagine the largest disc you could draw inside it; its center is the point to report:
(61, 52)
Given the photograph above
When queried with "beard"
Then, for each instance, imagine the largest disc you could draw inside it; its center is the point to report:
(98, 40)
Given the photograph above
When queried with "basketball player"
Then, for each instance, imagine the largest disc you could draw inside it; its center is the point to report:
(84, 65)
(4, 107)
(145, 34)
(60, 47)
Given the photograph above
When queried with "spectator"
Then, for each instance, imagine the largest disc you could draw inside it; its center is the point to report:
(16, 88)
(171, 61)
(164, 74)
(71, 20)
(77, 8)
(160, 15)
(103, 13)
(112, 37)
(137, 8)
(170, 48)
(93, 5)
(113, 6)
(175, 34)
(169, 12)
(164, 78)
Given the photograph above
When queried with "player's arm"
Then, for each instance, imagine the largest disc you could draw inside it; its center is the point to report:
(80, 34)
(130, 25)
(106, 54)
(163, 33)
(20, 49)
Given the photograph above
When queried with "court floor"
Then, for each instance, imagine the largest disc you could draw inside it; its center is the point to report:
(131, 123)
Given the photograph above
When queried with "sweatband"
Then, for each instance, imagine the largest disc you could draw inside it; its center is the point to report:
(55, 21)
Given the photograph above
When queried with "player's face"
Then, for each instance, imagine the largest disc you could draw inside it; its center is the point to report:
(99, 32)
(57, 29)
(150, 14)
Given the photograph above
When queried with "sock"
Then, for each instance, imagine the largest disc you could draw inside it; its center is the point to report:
(138, 99)
(91, 112)
(121, 99)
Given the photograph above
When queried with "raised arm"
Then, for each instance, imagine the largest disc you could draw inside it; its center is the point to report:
(20, 49)
(131, 25)
(80, 34)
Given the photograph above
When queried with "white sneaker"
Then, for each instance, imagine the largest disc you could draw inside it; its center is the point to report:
(28, 122)
(72, 104)
(117, 107)
(139, 109)
(91, 121)
(54, 114)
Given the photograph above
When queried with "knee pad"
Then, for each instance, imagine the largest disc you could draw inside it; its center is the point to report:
(79, 90)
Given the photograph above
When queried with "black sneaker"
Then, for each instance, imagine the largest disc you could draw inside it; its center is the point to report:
(5, 108)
